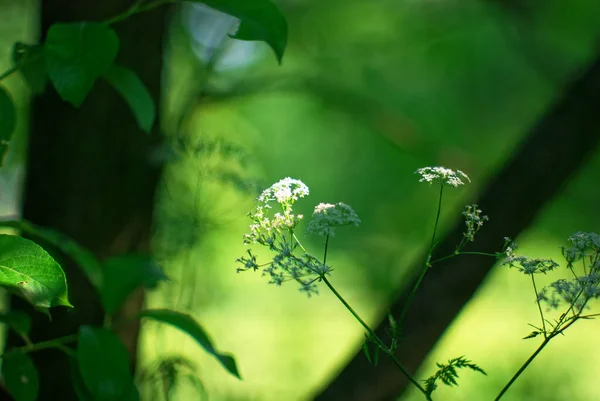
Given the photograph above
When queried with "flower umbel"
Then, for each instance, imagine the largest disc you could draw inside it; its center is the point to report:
(328, 216)
(442, 175)
(275, 230)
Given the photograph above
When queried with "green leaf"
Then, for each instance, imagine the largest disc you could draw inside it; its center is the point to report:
(32, 65)
(104, 365)
(83, 394)
(88, 263)
(8, 115)
(123, 275)
(259, 20)
(187, 324)
(135, 93)
(30, 272)
(76, 54)
(18, 321)
(20, 376)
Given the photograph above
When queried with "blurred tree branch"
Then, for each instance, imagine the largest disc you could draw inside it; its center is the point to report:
(558, 146)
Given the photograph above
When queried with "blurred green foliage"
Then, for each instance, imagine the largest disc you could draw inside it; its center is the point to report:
(368, 92)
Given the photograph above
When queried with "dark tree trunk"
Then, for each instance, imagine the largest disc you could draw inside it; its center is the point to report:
(90, 174)
(554, 151)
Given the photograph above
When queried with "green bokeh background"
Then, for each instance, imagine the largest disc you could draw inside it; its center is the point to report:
(368, 92)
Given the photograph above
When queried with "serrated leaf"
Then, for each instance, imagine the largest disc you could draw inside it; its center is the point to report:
(32, 65)
(187, 324)
(8, 115)
(104, 365)
(20, 376)
(18, 321)
(123, 275)
(76, 54)
(259, 20)
(135, 93)
(27, 270)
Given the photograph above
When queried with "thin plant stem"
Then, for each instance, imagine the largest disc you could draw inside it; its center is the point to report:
(522, 368)
(9, 72)
(537, 300)
(55, 343)
(427, 262)
(494, 255)
(375, 337)
(326, 246)
(137, 8)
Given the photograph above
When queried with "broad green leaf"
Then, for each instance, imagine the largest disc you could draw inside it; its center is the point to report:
(18, 321)
(187, 324)
(8, 115)
(88, 263)
(259, 20)
(104, 365)
(32, 65)
(123, 275)
(76, 54)
(30, 272)
(20, 376)
(135, 93)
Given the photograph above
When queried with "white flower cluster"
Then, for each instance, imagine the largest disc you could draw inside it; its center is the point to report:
(285, 192)
(442, 175)
(327, 216)
(275, 230)
(474, 221)
(584, 285)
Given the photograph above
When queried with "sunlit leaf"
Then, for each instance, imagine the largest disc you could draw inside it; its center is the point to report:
(76, 54)
(32, 65)
(30, 272)
(8, 115)
(104, 365)
(123, 275)
(135, 93)
(187, 324)
(18, 321)
(259, 20)
(20, 376)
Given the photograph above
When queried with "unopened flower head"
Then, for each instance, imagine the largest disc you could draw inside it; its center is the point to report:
(285, 192)
(328, 216)
(474, 221)
(442, 175)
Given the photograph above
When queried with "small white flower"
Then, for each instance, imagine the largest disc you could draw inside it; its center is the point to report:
(286, 191)
(327, 216)
(442, 176)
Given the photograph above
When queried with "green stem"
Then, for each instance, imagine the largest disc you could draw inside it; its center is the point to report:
(522, 368)
(55, 343)
(137, 8)
(9, 72)
(537, 300)
(375, 337)
(494, 255)
(427, 262)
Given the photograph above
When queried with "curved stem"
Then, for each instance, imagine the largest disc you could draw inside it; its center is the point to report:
(375, 337)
